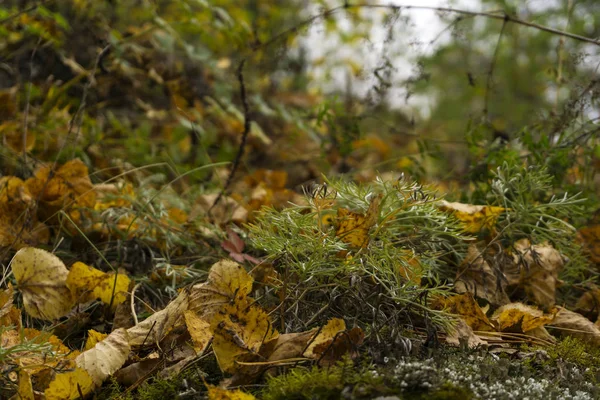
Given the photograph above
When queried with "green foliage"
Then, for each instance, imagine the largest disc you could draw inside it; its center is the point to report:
(410, 240)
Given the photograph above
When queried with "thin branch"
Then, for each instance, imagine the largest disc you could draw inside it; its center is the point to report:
(488, 85)
(24, 11)
(245, 133)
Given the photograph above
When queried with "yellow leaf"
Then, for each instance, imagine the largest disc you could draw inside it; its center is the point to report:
(329, 331)
(199, 330)
(41, 278)
(25, 389)
(520, 317)
(216, 393)
(93, 339)
(474, 218)
(466, 306)
(239, 329)
(88, 283)
(353, 228)
(68, 385)
(106, 357)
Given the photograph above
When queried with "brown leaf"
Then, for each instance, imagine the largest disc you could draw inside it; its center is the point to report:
(569, 323)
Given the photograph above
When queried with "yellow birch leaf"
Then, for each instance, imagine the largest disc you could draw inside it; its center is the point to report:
(474, 218)
(327, 334)
(239, 329)
(468, 309)
(68, 385)
(199, 330)
(106, 357)
(25, 390)
(93, 339)
(353, 228)
(216, 393)
(41, 277)
(520, 317)
(88, 283)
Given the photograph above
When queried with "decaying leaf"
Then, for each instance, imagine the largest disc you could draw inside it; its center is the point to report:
(239, 329)
(539, 267)
(25, 390)
(88, 283)
(154, 328)
(590, 237)
(93, 339)
(42, 279)
(199, 330)
(19, 225)
(353, 228)
(216, 393)
(474, 218)
(569, 323)
(463, 335)
(519, 317)
(226, 211)
(66, 188)
(106, 357)
(69, 385)
(475, 275)
(467, 308)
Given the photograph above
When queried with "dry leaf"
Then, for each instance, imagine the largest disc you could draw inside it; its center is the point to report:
(539, 268)
(569, 323)
(87, 283)
(68, 385)
(474, 218)
(463, 335)
(467, 308)
(325, 336)
(475, 275)
(353, 228)
(106, 357)
(199, 330)
(216, 393)
(154, 328)
(93, 339)
(41, 278)
(519, 317)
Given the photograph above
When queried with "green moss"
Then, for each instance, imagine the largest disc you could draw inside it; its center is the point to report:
(449, 391)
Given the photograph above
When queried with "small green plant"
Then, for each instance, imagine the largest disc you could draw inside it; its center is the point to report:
(407, 239)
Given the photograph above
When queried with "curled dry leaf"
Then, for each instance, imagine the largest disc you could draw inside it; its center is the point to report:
(539, 268)
(154, 328)
(106, 357)
(87, 283)
(569, 323)
(42, 279)
(475, 275)
(463, 335)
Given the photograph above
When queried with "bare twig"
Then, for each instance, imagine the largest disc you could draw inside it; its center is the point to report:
(488, 85)
(247, 125)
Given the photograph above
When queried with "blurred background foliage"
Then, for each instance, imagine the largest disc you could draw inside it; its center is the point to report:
(356, 91)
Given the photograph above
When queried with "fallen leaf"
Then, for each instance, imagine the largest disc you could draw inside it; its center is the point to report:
(93, 339)
(539, 267)
(25, 389)
(474, 218)
(467, 308)
(475, 275)
(42, 279)
(353, 228)
(462, 335)
(325, 336)
(68, 385)
(519, 317)
(199, 330)
(106, 357)
(216, 393)
(87, 283)
(569, 323)
(154, 328)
